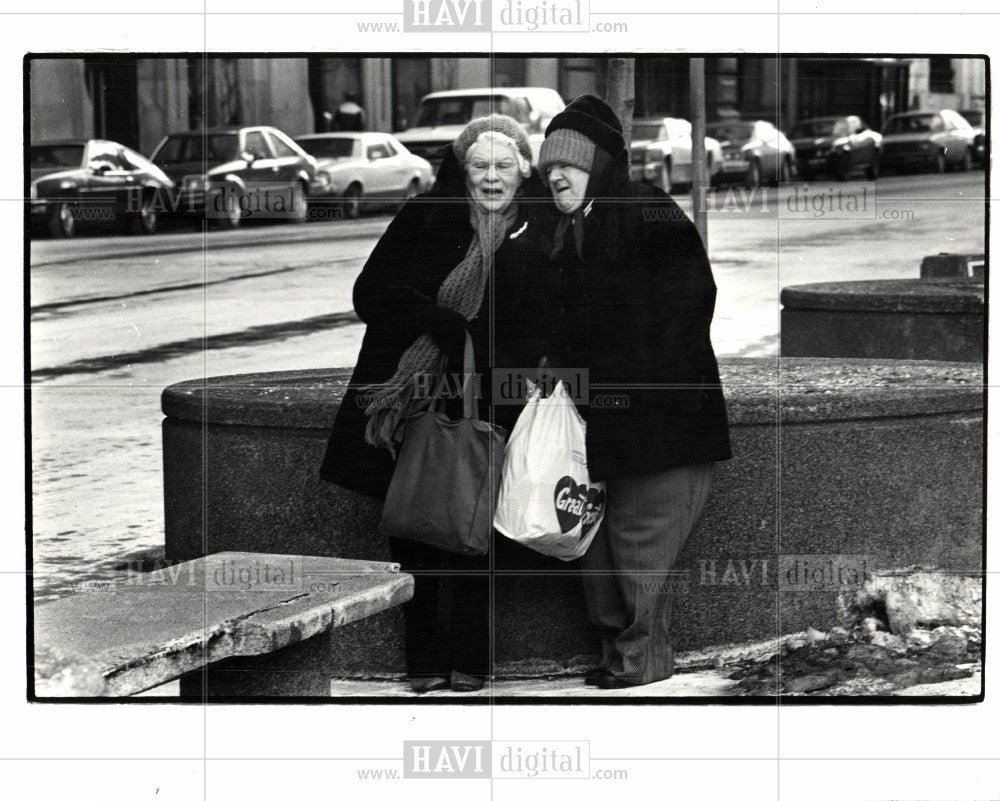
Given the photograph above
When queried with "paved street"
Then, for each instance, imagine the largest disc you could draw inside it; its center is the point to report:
(116, 318)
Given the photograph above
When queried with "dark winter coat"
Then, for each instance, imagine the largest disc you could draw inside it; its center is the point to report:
(395, 296)
(634, 308)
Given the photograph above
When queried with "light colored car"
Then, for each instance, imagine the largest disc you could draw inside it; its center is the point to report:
(661, 153)
(365, 168)
(443, 115)
(754, 152)
(977, 119)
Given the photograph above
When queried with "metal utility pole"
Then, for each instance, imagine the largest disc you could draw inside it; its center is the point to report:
(621, 93)
(699, 184)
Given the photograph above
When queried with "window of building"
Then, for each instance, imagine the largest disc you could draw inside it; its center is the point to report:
(942, 77)
(510, 71)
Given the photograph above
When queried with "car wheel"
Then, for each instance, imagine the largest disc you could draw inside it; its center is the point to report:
(967, 161)
(872, 170)
(805, 175)
(232, 215)
(352, 202)
(62, 223)
(666, 179)
(300, 206)
(940, 164)
(752, 181)
(145, 220)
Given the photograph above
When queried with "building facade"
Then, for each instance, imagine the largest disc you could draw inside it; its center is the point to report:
(137, 101)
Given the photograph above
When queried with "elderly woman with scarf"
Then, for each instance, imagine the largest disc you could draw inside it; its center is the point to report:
(449, 263)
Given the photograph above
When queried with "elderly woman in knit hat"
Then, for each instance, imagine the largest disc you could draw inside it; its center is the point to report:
(449, 263)
(642, 327)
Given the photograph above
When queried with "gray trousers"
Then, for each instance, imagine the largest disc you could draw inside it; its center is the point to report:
(625, 579)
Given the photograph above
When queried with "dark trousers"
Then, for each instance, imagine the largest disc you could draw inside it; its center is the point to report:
(448, 621)
(626, 577)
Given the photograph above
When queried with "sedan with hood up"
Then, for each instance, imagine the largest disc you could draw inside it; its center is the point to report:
(369, 168)
(228, 174)
(77, 182)
(836, 146)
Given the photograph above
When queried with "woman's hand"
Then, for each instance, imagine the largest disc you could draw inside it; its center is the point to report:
(447, 327)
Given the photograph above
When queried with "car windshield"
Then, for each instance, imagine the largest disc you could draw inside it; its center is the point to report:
(647, 130)
(814, 128)
(56, 155)
(913, 123)
(974, 118)
(218, 148)
(730, 131)
(340, 147)
(459, 110)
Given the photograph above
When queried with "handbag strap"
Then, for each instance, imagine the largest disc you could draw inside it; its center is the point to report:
(470, 408)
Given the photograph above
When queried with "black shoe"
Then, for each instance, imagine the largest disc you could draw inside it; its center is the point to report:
(425, 684)
(464, 683)
(610, 681)
(591, 676)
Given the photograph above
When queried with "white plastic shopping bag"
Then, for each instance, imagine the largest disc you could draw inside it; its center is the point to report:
(547, 501)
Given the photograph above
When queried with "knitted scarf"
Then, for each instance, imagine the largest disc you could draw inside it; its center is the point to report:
(389, 403)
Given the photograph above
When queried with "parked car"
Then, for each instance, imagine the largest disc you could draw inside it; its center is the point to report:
(227, 174)
(977, 119)
(661, 153)
(932, 140)
(836, 146)
(374, 168)
(753, 152)
(443, 115)
(83, 181)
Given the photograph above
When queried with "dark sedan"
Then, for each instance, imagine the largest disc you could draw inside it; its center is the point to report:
(836, 146)
(229, 174)
(94, 182)
(934, 140)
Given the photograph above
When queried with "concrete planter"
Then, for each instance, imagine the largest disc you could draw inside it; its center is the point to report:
(841, 463)
(892, 319)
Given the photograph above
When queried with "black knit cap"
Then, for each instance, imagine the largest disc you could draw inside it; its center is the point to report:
(594, 118)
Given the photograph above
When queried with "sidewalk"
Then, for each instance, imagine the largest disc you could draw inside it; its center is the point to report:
(711, 683)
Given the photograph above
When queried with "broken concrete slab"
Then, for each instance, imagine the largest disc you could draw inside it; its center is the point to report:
(149, 628)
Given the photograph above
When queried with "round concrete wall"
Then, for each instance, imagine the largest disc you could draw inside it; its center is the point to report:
(838, 464)
(888, 319)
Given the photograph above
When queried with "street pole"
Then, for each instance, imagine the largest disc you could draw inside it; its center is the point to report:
(621, 93)
(699, 184)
